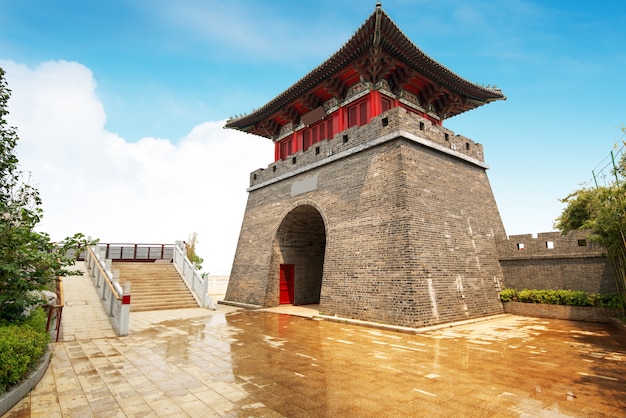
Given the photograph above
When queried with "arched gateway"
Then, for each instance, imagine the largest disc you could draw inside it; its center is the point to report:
(299, 249)
(372, 207)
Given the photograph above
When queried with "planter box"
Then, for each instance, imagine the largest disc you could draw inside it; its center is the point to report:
(17, 392)
(572, 313)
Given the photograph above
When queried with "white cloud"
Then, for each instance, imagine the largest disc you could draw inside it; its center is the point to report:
(251, 30)
(151, 191)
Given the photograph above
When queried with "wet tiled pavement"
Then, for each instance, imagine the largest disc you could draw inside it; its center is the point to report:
(233, 363)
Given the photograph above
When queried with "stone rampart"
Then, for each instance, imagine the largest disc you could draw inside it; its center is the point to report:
(555, 261)
(387, 226)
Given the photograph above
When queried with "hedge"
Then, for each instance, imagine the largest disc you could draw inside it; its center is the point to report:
(21, 347)
(563, 297)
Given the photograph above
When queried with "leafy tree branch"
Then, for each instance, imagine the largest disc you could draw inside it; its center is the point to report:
(29, 260)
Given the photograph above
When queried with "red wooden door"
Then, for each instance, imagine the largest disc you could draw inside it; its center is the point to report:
(286, 284)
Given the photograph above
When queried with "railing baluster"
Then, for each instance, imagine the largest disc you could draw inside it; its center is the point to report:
(110, 296)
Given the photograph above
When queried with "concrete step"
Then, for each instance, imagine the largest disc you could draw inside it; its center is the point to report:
(155, 286)
(160, 307)
(161, 294)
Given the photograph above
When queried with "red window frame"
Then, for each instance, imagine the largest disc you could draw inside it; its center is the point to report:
(386, 104)
(357, 114)
(285, 148)
(317, 132)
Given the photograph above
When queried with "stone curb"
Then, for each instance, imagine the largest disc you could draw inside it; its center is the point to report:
(406, 330)
(238, 304)
(10, 398)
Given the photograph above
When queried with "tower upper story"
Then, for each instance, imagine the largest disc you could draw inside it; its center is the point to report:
(378, 69)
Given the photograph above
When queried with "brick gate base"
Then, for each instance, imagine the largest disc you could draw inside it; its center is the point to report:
(394, 228)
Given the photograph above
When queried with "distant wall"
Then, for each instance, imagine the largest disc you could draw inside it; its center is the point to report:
(555, 261)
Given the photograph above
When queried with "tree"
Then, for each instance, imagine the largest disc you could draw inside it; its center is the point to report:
(28, 259)
(603, 211)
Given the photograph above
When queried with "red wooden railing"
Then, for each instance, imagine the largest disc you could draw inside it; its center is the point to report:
(138, 252)
(58, 309)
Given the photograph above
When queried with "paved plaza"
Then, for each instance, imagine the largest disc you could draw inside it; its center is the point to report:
(239, 363)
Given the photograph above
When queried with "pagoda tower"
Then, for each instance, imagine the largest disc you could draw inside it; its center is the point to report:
(372, 208)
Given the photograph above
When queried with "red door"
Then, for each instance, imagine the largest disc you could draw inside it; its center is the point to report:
(286, 284)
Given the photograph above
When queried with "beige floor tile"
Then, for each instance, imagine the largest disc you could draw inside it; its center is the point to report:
(166, 408)
(232, 362)
(197, 409)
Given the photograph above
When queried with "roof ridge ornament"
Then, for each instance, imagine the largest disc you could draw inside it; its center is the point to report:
(377, 34)
(377, 50)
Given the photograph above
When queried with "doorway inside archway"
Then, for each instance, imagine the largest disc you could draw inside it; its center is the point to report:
(286, 284)
(299, 250)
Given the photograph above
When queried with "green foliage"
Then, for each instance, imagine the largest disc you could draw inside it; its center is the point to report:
(563, 297)
(21, 348)
(508, 295)
(28, 259)
(191, 251)
(603, 211)
(609, 300)
(600, 210)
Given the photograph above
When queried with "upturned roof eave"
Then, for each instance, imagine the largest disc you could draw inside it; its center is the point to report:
(359, 43)
(338, 61)
(414, 57)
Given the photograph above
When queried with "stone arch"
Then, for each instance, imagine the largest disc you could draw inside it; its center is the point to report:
(300, 241)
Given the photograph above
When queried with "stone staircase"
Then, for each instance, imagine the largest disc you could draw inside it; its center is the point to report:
(155, 286)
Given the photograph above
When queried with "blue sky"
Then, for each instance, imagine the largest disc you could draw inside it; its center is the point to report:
(139, 90)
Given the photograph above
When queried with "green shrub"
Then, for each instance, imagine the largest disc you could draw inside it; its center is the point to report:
(21, 348)
(575, 298)
(529, 296)
(608, 300)
(562, 297)
(508, 295)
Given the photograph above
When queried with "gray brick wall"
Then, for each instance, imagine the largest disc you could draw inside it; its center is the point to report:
(555, 261)
(386, 226)
(394, 119)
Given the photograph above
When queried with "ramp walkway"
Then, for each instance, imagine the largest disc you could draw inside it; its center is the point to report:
(84, 317)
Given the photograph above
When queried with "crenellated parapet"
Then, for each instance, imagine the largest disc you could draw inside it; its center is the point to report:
(555, 261)
(358, 138)
(549, 245)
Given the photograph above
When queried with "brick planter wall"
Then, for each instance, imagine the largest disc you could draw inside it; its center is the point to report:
(572, 313)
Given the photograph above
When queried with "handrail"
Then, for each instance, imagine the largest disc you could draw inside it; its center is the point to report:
(174, 253)
(191, 276)
(61, 292)
(106, 276)
(115, 299)
(58, 307)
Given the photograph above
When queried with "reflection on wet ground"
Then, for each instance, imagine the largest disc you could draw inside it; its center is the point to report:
(254, 363)
(499, 368)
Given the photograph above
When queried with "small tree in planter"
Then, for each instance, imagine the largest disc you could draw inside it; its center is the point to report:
(191, 251)
(603, 211)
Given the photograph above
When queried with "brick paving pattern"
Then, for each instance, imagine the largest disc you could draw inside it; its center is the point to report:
(232, 363)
